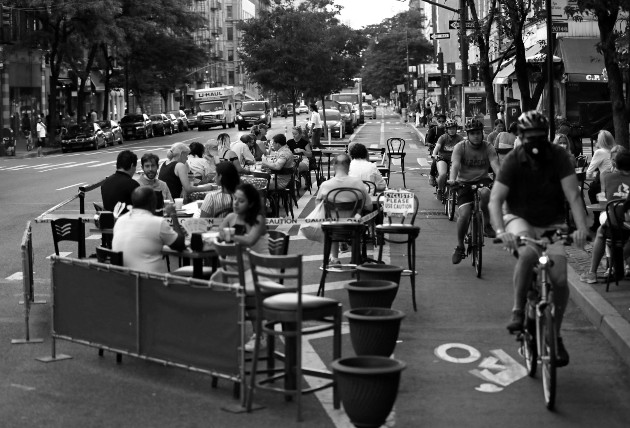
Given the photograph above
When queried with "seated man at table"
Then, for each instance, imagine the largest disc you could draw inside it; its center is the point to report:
(140, 235)
(616, 186)
(245, 156)
(149, 164)
(362, 168)
(342, 179)
(118, 186)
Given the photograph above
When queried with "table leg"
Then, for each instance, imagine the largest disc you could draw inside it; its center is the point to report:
(197, 268)
(290, 350)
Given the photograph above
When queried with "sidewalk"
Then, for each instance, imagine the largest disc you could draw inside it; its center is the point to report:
(608, 312)
(22, 153)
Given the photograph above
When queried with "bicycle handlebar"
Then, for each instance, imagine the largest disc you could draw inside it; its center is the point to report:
(475, 186)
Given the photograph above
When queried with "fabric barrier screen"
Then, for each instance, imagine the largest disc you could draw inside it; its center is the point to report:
(190, 325)
(95, 305)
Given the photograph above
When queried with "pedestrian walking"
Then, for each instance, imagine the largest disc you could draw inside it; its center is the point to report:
(316, 126)
(41, 136)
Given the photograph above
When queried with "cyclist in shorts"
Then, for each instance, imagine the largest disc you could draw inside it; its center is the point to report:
(528, 198)
(470, 164)
(442, 154)
(436, 132)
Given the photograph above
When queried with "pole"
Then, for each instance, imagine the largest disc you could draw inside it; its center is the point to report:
(463, 46)
(550, 36)
(408, 73)
(441, 65)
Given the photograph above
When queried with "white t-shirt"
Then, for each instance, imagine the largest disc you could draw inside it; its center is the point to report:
(242, 151)
(367, 171)
(316, 121)
(140, 236)
(41, 130)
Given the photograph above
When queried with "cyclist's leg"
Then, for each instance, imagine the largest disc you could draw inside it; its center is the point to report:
(558, 275)
(484, 198)
(464, 210)
(442, 170)
(527, 257)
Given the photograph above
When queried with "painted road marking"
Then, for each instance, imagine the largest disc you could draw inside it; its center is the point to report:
(46, 166)
(72, 185)
(382, 139)
(17, 276)
(101, 164)
(67, 166)
(413, 146)
(509, 372)
(423, 162)
(488, 387)
(13, 167)
(61, 254)
(93, 237)
(23, 387)
(373, 146)
(442, 352)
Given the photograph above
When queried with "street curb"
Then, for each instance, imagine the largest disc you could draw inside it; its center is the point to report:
(601, 314)
(33, 154)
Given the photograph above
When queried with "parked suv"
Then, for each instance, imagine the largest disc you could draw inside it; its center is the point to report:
(136, 126)
(253, 113)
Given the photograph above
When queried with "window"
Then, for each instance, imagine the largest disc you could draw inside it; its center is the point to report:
(230, 34)
(230, 55)
(228, 12)
(231, 77)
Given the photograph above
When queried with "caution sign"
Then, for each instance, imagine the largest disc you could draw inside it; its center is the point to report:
(398, 202)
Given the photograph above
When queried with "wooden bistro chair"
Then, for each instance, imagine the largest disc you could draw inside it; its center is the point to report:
(399, 233)
(69, 229)
(396, 150)
(263, 188)
(342, 231)
(287, 194)
(290, 310)
(616, 237)
(109, 257)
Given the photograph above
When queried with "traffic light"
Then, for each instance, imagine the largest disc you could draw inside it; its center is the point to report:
(440, 58)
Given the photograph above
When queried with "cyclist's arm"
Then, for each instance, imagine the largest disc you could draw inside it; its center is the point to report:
(494, 160)
(436, 149)
(495, 207)
(455, 163)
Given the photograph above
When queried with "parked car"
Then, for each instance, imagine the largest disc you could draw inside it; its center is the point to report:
(303, 109)
(290, 110)
(348, 117)
(161, 124)
(334, 122)
(136, 126)
(369, 111)
(182, 120)
(191, 116)
(83, 135)
(113, 132)
(329, 104)
(174, 121)
(253, 113)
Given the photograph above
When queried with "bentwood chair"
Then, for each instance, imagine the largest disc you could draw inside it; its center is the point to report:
(290, 310)
(396, 150)
(616, 237)
(399, 233)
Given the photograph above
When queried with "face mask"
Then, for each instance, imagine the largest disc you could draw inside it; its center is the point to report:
(536, 146)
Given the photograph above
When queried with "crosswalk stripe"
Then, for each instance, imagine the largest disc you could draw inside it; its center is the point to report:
(101, 164)
(373, 146)
(48, 165)
(413, 146)
(13, 167)
(67, 166)
(72, 185)
(423, 162)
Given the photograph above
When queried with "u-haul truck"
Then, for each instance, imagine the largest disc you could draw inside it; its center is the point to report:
(215, 107)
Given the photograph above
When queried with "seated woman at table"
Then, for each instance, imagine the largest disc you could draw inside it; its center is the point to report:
(226, 154)
(218, 203)
(613, 154)
(563, 141)
(299, 145)
(174, 172)
(600, 162)
(617, 185)
(202, 169)
(260, 134)
(250, 140)
(362, 168)
(281, 158)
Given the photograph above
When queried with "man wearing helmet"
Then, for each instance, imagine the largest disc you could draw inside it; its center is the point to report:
(528, 198)
(470, 163)
(436, 132)
(443, 152)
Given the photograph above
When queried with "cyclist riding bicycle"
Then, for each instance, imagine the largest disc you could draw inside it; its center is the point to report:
(436, 132)
(528, 198)
(470, 163)
(442, 154)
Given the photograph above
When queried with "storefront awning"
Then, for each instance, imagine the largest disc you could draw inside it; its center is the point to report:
(582, 62)
(97, 81)
(508, 69)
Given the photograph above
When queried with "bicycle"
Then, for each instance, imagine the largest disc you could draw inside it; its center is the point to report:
(475, 237)
(29, 140)
(538, 337)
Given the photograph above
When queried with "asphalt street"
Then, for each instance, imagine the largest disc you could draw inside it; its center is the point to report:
(463, 368)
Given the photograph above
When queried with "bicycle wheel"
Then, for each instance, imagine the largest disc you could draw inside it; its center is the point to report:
(548, 341)
(450, 203)
(472, 239)
(528, 345)
(478, 243)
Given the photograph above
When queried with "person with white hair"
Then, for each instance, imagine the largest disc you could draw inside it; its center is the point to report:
(174, 172)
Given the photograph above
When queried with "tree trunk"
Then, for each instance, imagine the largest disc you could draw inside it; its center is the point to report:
(83, 75)
(106, 77)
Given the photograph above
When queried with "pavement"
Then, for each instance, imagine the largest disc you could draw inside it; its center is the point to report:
(608, 311)
(22, 153)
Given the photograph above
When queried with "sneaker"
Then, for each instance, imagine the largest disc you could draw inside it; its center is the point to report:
(438, 195)
(489, 232)
(458, 255)
(589, 277)
(251, 344)
(562, 356)
(517, 320)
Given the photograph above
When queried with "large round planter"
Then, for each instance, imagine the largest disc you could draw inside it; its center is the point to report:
(368, 387)
(371, 293)
(374, 331)
(368, 271)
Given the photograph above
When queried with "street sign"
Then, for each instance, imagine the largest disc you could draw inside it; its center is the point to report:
(436, 36)
(454, 25)
(560, 27)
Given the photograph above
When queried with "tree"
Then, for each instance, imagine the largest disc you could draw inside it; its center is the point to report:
(607, 15)
(302, 49)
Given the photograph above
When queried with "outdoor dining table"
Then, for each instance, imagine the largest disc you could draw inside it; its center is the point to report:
(196, 257)
(328, 153)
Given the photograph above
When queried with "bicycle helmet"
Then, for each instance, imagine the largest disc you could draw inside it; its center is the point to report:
(450, 123)
(474, 125)
(532, 119)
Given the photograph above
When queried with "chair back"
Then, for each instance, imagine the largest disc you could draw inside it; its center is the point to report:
(98, 207)
(380, 152)
(398, 204)
(110, 257)
(371, 187)
(268, 271)
(230, 257)
(278, 243)
(352, 201)
(395, 146)
(615, 218)
(581, 162)
(69, 229)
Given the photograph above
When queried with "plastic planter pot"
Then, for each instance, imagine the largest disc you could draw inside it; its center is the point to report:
(374, 331)
(368, 271)
(371, 293)
(368, 386)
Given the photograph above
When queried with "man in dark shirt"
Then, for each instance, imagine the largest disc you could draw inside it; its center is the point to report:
(436, 132)
(119, 186)
(533, 182)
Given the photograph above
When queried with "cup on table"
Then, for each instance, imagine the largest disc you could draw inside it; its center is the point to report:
(179, 203)
(228, 233)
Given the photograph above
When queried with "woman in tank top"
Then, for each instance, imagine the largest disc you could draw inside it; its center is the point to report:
(174, 172)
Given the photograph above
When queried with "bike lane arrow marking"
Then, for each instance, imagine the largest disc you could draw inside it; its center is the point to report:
(510, 372)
